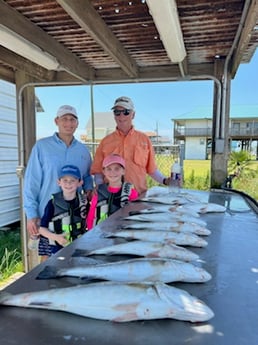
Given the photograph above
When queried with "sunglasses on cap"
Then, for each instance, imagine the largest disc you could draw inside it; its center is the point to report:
(124, 112)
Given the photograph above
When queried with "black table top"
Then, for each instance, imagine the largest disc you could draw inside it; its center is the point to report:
(231, 257)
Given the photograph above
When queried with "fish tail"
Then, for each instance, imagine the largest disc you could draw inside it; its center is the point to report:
(49, 272)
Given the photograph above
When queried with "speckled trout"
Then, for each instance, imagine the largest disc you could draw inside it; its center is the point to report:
(178, 238)
(146, 249)
(133, 270)
(119, 302)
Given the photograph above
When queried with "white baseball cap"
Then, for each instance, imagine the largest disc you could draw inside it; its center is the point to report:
(66, 110)
(124, 102)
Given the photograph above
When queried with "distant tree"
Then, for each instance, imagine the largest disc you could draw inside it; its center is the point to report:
(240, 164)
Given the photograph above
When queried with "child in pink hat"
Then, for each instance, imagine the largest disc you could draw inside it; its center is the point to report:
(113, 194)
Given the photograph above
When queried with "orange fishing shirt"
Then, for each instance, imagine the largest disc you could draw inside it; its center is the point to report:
(137, 151)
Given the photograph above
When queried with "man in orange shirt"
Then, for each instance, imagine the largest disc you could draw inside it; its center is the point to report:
(134, 146)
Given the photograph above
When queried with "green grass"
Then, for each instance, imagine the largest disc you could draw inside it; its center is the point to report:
(197, 175)
(200, 167)
(10, 253)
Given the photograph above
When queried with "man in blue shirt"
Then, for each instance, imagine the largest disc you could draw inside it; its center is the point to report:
(47, 157)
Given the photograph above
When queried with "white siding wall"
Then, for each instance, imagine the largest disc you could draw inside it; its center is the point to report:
(9, 183)
(195, 148)
(200, 123)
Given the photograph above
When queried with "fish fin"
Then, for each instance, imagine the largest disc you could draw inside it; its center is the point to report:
(107, 235)
(87, 278)
(4, 296)
(133, 213)
(41, 303)
(80, 252)
(49, 272)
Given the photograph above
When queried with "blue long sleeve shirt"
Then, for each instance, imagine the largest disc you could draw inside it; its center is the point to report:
(47, 157)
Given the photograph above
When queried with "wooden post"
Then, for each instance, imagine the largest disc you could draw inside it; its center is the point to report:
(26, 124)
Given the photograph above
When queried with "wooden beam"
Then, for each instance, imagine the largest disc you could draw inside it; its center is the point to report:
(17, 23)
(7, 74)
(37, 73)
(17, 62)
(85, 15)
(245, 37)
(154, 73)
(103, 76)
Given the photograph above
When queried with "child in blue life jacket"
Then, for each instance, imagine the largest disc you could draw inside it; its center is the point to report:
(65, 213)
(114, 194)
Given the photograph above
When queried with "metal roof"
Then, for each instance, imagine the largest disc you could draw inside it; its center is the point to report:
(117, 41)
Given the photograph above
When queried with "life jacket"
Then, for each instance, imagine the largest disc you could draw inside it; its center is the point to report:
(69, 216)
(108, 202)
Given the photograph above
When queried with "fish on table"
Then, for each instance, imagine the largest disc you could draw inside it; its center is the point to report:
(165, 199)
(179, 210)
(175, 226)
(133, 270)
(118, 302)
(178, 238)
(144, 249)
(161, 192)
(166, 217)
(181, 200)
(193, 209)
(203, 208)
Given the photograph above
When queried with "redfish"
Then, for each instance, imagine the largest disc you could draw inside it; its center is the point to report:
(118, 302)
(133, 270)
(145, 249)
(178, 238)
(166, 217)
(175, 227)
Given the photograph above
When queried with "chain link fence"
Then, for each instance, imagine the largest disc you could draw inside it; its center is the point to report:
(165, 156)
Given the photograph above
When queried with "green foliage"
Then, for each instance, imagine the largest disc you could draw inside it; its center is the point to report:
(249, 186)
(207, 179)
(191, 178)
(10, 253)
(151, 182)
(241, 164)
(10, 263)
(197, 183)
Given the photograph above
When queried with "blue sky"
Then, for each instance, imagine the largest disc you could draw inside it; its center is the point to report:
(155, 103)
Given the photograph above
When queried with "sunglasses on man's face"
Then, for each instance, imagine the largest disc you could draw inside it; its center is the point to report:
(124, 112)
